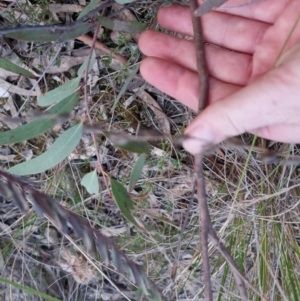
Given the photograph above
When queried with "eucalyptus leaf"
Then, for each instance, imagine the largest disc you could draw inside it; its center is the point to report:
(90, 182)
(137, 171)
(57, 152)
(123, 200)
(92, 5)
(48, 33)
(123, 26)
(39, 126)
(208, 6)
(8, 65)
(127, 143)
(59, 93)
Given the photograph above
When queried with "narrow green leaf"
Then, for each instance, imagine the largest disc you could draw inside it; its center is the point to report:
(123, 200)
(59, 93)
(207, 6)
(92, 5)
(57, 152)
(127, 82)
(83, 66)
(90, 182)
(124, 26)
(8, 65)
(48, 33)
(124, 1)
(39, 126)
(28, 290)
(127, 143)
(137, 171)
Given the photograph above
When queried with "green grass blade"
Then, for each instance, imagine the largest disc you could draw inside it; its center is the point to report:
(28, 290)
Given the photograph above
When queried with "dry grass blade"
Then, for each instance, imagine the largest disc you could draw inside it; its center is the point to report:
(62, 218)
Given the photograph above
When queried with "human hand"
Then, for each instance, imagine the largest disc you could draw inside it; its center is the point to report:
(250, 89)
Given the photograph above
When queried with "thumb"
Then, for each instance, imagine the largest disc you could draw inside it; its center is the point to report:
(270, 99)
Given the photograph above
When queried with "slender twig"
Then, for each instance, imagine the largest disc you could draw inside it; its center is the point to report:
(87, 105)
(204, 224)
(200, 55)
(200, 184)
(205, 221)
(206, 228)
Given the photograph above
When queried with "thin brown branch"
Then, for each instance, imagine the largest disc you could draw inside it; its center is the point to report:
(205, 224)
(205, 221)
(200, 55)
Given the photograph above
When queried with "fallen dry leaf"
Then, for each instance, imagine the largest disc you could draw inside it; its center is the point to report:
(66, 63)
(124, 15)
(99, 45)
(153, 105)
(17, 90)
(77, 266)
(65, 8)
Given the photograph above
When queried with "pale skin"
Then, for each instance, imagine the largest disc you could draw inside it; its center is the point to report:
(251, 88)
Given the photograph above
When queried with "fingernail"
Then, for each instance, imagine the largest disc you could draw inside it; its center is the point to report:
(201, 137)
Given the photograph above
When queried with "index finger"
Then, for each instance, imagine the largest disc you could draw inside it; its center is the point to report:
(260, 10)
(225, 30)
